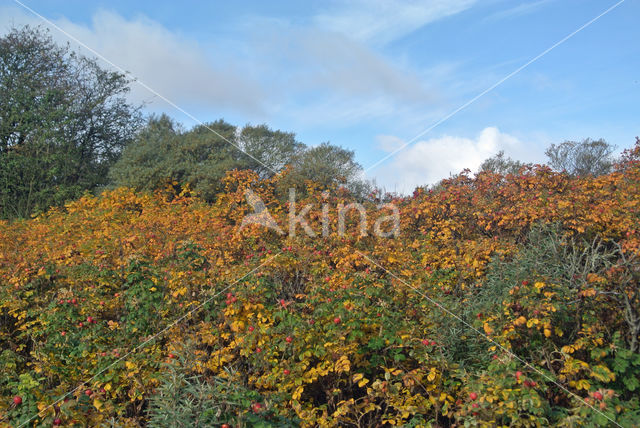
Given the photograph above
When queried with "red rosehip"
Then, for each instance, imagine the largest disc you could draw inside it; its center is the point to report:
(80, 324)
(258, 350)
(225, 426)
(597, 395)
(62, 333)
(17, 400)
(74, 301)
(57, 422)
(312, 322)
(289, 339)
(337, 320)
(475, 405)
(433, 343)
(251, 328)
(518, 374)
(89, 319)
(286, 372)
(473, 396)
(425, 342)
(88, 392)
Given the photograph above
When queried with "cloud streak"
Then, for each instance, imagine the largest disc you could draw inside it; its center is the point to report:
(380, 22)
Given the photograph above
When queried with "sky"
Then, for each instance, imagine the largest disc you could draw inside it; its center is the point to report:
(419, 90)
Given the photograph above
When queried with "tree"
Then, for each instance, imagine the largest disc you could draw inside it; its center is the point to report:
(163, 152)
(327, 165)
(589, 157)
(501, 164)
(270, 150)
(63, 122)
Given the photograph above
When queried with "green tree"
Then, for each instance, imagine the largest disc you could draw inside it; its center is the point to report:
(63, 122)
(588, 157)
(501, 164)
(270, 150)
(164, 152)
(327, 165)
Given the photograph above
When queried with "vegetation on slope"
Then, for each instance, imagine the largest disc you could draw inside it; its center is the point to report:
(503, 300)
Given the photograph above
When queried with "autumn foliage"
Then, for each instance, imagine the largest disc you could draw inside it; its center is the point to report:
(504, 300)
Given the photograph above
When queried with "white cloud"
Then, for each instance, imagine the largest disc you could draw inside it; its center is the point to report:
(174, 66)
(382, 21)
(321, 77)
(519, 10)
(271, 67)
(429, 161)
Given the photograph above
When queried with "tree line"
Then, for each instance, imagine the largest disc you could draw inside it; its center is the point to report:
(67, 127)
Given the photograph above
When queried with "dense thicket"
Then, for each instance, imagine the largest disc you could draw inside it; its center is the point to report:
(502, 301)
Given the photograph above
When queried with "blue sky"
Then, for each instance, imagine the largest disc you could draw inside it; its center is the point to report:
(372, 75)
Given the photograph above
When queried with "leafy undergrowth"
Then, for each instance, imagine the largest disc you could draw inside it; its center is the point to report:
(501, 301)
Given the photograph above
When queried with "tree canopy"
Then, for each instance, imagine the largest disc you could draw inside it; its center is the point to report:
(588, 157)
(501, 164)
(64, 121)
(163, 152)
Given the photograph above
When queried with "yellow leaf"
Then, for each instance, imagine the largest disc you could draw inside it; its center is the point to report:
(520, 321)
(487, 329)
(432, 374)
(97, 404)
(297, 393)
(532, 322)
(583, 384)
